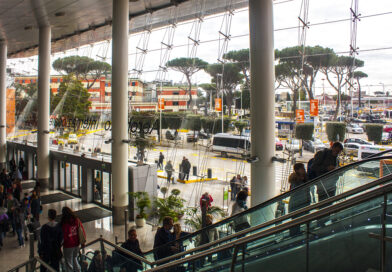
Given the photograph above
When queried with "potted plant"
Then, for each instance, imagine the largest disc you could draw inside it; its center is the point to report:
(172, 206)
(141, 201)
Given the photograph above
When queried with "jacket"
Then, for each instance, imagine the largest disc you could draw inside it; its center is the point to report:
(35, 206)
(70, 233)
(322, 160)
(162, 237)
(50, 240)
(133, 246)
(169, 168)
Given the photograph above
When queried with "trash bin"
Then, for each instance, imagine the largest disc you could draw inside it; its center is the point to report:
(209, 173)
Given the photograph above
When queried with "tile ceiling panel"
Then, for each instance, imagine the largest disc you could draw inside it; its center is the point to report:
(88, 21)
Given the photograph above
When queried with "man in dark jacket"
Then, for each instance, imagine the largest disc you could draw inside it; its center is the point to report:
(187, 169)
(325, 161)
(50, 240)
(162, 237)
(132, 245)
(160, 160)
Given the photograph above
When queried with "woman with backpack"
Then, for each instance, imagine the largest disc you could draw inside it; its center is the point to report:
(74, 235)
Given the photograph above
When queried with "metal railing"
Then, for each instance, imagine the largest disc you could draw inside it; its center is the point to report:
(31, 265)
(242, 242)
(275, 199)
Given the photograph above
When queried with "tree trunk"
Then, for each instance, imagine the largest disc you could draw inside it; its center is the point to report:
(359, 95)
(295, 97)
(189, 91)
(337, 106)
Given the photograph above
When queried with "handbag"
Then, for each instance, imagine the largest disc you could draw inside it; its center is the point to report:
(81, 235)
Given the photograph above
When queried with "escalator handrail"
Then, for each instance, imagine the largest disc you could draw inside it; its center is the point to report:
(282, 227)
(31, 261)
(119, 248)
(274, 199)
(379, 154)
(306, 209)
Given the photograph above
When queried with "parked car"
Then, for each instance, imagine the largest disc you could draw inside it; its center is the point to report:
(314, 146)
(292, 145)
(354, 128)
(386, 138)
(387, 128)
(352, 149)
(358, 141)
(72, 139)
(278, 144)
(194, 137)
(171, 136)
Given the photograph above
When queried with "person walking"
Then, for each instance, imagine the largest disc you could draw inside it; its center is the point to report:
(50, 240)
(11, 205)
(169, 171)
(19, 223)
(241, 222)
(21, 166)
(208, 198)
(160, 160)
(73, 235)
(233, 188)
(162, 237)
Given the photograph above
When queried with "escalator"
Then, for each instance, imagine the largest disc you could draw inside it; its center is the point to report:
(333, 183)
(350, 235)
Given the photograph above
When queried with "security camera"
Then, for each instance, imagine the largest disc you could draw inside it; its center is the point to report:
(277, 159)
(252, 159)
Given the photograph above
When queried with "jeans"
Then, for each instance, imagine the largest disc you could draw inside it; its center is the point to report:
(53, 261)
(20, 236)
(71, 259)
(169, 177)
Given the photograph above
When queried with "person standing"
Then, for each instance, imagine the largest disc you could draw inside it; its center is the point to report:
(4, 225)
(178, 234)
(19, 223)
(187, 169)
(160, 160)
(11, 205)
(70, 225)
(169, 171)
(162, 237)
(208, 198)
(233, 188)
(35, 205)
(241, 222)
(324, 161)
(49, 244)
(21, 165)
(132, 245)
(300, 198)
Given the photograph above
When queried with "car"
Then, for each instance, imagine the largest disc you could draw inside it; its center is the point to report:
(195, 136)
(387, 128)
(313, 145)
(292, 145)
(353, 148)
(357, 140)
(72, 139)
(386, 138)
(354, 128)
(278, 144)
(172, 136)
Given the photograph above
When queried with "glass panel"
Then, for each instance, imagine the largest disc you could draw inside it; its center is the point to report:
(68, 176)
(97, 186)
(344, 238)
(62, 173)
(75, 180)
(388, 244)
(106, 188)
(337, 182)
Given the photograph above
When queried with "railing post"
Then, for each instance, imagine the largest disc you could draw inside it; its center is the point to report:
(307, 246)
(116, 240)
(102, 246)
(31, 252)
(125, 224)
(383, 234)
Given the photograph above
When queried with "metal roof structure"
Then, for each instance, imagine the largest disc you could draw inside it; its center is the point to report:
(76, 23)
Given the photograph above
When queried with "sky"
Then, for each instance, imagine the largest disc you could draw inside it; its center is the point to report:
(373, 39)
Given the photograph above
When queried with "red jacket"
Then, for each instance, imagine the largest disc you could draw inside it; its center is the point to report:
(70, 232)
(209, 200)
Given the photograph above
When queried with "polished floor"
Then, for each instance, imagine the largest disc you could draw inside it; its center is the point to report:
(11, 255)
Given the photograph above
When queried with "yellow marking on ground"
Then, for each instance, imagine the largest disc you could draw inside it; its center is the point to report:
(213, 157)
(189, 181)
(22, 135)
(224, 159)
(154, 149)
(90, 132)
(161, 150)
(194, 154)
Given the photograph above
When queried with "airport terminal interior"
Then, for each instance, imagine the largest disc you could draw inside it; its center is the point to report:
(195, 135)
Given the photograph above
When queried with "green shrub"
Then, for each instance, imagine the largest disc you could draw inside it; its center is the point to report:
(214, 125)
(374, 132)
(240, 125)
(336, 131)
(304, 131)
(193, 122)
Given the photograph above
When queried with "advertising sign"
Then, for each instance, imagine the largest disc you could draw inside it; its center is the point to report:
(300, 116)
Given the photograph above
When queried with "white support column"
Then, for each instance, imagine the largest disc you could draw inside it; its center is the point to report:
(262, 103)
(44, 50)
(3, 105)
(120, 29)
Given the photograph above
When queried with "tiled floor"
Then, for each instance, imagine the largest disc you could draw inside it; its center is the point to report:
(11, 255)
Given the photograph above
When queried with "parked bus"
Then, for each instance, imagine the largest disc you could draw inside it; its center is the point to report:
(231, 144)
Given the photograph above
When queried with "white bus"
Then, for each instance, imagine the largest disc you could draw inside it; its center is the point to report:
(231, 144)
(365, 151)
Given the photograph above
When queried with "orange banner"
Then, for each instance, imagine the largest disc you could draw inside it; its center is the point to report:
(300, 116)
(314, 110)
(218, 104)
(161, 103)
